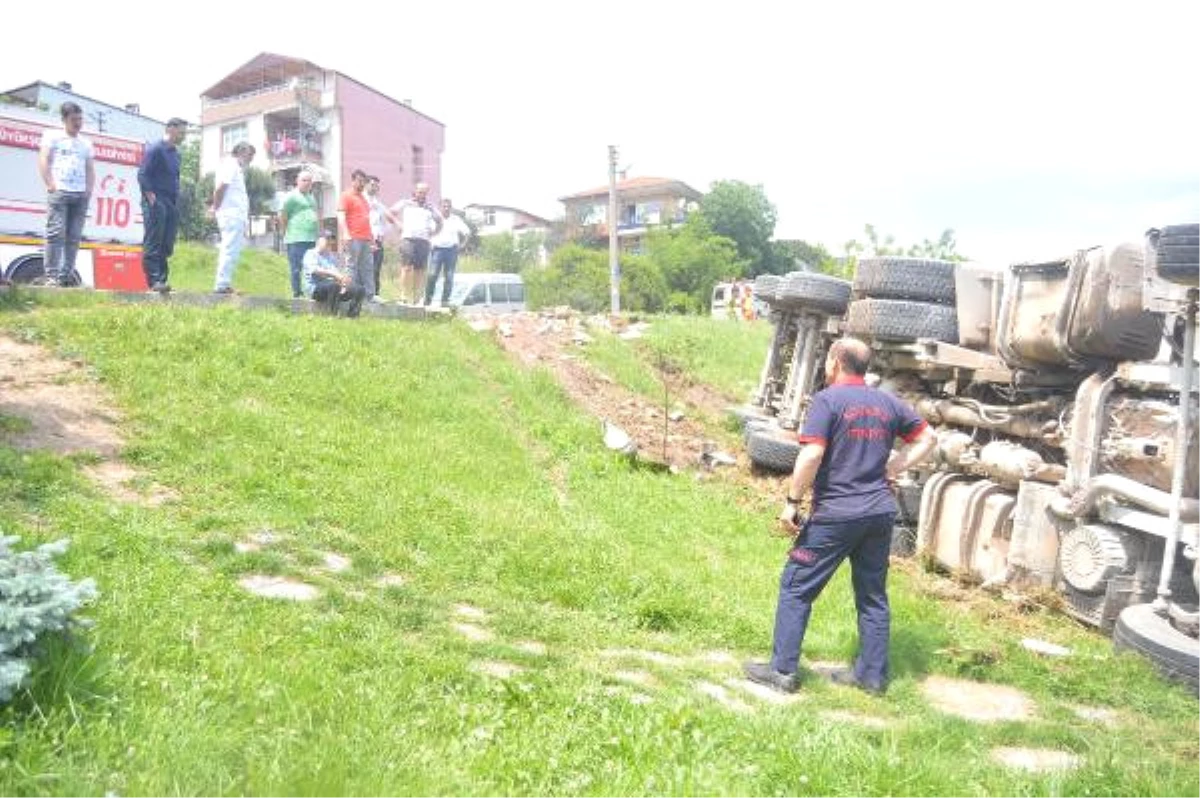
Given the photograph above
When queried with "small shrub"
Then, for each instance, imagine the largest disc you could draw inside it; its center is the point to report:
(35, 601)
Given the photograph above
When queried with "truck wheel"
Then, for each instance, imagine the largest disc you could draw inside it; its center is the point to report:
(746, 414)
(900, 320)
(805, 291)
(765, 286)
(772, 451)
(1173, 653)
(27, 270)
(906, 278)
(1177, 249)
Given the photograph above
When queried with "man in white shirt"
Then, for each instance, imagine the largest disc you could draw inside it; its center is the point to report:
(66, 162)
(231, 207)
(446, 244)
(418, 224)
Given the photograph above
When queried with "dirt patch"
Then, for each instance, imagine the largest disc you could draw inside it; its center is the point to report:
(1035, 760)
(639, 678)
(722, 696)
(476, 634)
(657, 657)
(279, 587)
(555, 340)
(469, 612)
(66, 412)
(533, 647)
(335, 563)
(977, 701)
(764, 693)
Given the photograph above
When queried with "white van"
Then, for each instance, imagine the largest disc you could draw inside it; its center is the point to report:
(488, 292)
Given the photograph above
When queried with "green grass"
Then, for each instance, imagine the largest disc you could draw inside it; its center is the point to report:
(421, 451)
(723, 354)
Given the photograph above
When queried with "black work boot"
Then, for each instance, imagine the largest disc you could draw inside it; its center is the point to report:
(846, 678)
(763, 673)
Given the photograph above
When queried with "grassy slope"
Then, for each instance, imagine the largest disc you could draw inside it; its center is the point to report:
(399, 445)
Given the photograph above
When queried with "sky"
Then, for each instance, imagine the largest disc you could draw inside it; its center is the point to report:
(1031, 129)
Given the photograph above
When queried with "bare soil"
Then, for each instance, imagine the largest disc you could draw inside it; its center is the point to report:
(58, 407)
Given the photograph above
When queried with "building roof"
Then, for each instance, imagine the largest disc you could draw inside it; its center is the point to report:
(39, 83)
(267, 69)
(639, 187)
(262, 69)
(533, 216)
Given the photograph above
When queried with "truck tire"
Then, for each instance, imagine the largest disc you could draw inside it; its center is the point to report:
(27, 270)
(771, 450)
(1174, 654)
(1177, 252)
(806, 291)
(765, 287)
(746, 414)
(918, 279)
(900, 320)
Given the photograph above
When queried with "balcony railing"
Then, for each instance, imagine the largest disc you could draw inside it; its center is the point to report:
(293, 143)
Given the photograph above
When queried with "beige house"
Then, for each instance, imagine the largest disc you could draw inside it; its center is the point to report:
(642, 203)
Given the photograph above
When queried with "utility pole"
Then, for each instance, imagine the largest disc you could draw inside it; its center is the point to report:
(614, 265)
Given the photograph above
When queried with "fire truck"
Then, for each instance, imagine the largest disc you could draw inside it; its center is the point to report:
(110, 255)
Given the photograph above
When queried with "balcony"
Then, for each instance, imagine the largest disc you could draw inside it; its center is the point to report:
(288, 147)
(261, 100)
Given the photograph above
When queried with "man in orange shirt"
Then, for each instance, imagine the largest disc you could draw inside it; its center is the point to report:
(354, 233)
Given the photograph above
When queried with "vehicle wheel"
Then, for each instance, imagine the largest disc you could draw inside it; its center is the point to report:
(745, 414)
(899, 320)
(27, 271)
(771, 450)
(1175, 654)
(906, 278)
(805, 291)
(765, 286)
(1177, 252)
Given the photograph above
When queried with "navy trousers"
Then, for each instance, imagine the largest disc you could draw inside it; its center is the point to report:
(812, 562)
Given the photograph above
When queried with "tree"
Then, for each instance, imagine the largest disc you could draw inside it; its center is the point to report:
(692, 259)
(743, 213)
(195, 192)
(260, 188)
(945, 248)
(796, 255)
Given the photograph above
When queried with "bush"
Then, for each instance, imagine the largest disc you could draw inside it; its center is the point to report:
(35, 601)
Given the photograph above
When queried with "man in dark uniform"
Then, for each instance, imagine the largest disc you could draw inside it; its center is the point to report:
(158, 177)
(846, 459)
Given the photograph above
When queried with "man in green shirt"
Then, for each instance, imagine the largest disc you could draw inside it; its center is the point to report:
(298, 218)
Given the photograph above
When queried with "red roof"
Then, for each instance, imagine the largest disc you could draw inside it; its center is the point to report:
(639, 186)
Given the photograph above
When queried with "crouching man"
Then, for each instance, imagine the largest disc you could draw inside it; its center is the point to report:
(328, 284)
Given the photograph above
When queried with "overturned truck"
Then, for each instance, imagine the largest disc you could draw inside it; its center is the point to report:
(1063, 394)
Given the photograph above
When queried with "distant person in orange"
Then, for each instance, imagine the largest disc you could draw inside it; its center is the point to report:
(354, 233)
(748, 302)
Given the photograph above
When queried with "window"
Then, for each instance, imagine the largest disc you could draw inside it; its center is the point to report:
(477, 296)
(418, 165)
(499, 293)
(516, 292)
(489, 218)
(231, 135)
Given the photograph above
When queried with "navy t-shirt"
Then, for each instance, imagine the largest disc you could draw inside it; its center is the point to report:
(857, 425)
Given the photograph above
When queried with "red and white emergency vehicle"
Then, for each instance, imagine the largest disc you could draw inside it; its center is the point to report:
(110, 256)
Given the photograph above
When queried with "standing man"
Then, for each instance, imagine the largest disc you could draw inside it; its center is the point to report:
(231, 207)
(158, 177)
(380, 216)
(446, 244)
(67, 165)
(846, 459)
(418, 224)
(298, 218)
(354, 232)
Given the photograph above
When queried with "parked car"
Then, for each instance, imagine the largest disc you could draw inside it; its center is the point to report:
(488, 292)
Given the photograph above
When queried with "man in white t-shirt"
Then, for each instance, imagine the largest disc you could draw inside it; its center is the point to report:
(446, 244)
(418, 224)
(231, 207)
(66, 162)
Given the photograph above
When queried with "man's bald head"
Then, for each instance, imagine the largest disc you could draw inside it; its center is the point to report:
(852, 355)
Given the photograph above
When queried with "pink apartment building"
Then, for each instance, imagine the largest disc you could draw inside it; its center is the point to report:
(298, 114)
